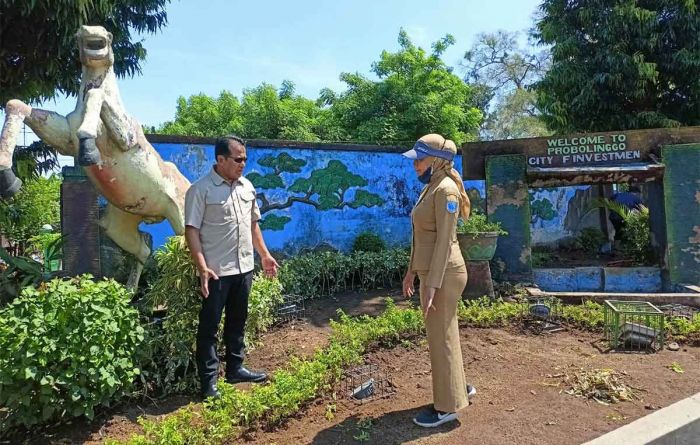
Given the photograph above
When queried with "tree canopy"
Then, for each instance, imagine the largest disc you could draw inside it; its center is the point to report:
(504, 72)
(415, 93)
(38, 53)
(620, 64)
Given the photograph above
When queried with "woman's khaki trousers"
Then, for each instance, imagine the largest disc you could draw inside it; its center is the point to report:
(449, 384)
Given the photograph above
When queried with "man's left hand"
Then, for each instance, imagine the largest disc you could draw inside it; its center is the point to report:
(270, 266)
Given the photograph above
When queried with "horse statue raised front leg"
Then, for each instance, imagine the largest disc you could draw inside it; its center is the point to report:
(110, 145)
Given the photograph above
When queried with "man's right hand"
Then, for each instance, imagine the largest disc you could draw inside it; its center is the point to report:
(204, 276)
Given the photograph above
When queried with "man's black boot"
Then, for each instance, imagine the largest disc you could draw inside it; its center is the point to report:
(242, 374)
(210, 391)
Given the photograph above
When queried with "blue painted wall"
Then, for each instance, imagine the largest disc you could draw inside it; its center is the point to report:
(380, 178)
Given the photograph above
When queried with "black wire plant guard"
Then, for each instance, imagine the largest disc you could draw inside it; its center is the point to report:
(366, 383)
(675, 310)
(292, 308)
(542, 314)
(634, 326)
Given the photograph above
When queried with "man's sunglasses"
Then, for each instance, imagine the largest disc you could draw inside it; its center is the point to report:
(238, 160)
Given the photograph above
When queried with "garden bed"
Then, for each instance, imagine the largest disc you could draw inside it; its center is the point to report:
(517, 401)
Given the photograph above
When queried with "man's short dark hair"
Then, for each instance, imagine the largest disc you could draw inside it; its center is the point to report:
(223, 144)
(634, 188)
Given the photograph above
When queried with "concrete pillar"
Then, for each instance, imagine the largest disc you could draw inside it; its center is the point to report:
(507, 201)
(79, 216)
(682, 206)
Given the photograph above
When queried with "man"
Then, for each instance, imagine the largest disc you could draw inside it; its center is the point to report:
(631, 200)
(221, 219)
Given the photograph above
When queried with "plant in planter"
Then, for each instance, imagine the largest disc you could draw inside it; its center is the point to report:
(478, 237)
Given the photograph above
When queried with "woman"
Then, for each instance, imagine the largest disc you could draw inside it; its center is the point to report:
(438, 262)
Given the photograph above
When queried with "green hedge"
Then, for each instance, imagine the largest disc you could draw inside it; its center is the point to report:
(325, 273)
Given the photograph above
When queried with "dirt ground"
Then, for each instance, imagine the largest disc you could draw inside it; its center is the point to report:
(519, 379)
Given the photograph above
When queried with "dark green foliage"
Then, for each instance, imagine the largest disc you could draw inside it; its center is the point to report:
(620, 64)
(636, 233)
(416, 94)
(24, 215)
(39, 53)
(66, 349)
(590, 239)
(19, 272)
(325, 273)
(34, 160)
(368, 242)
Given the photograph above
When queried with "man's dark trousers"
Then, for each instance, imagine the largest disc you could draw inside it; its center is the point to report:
(229, 292)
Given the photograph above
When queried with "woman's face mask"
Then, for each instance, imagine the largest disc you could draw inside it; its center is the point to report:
(424, 169)
(427, 174)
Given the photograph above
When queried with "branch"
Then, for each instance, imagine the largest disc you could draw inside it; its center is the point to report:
(267, 207)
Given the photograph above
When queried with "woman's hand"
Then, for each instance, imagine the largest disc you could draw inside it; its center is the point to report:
(428, 301)
(408, 280)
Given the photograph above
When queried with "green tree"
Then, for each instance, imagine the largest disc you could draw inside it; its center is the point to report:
(503, 72)
(38, 55)
(416, 93)
(36, 204)
(282, 114)
(202, 115)
(263, 112)
(620, 64)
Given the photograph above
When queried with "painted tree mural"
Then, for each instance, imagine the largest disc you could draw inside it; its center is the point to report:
(325, 189)
(541, 209)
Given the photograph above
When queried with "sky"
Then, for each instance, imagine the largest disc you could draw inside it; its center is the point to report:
(218, 45)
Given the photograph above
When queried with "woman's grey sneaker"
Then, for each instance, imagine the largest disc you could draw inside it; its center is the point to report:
(430, 418)
(471, 391)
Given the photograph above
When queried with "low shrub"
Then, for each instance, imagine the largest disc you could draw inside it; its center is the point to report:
(325, 273)
(66, 349)
(590, 239)
(368, 242)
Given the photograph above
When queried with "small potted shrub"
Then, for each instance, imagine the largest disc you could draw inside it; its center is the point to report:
(478, 237)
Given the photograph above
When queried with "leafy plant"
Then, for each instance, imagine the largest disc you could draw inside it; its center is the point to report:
(169, 365)
(23, 215)
(478, 223)
(265, 296)
(19, 272)
(636, 235)
(484, 312)
(676, 367)
(541, 258)
(365, 427)
(66, 349)
(368, 242)
(590, 239)
(325, 273)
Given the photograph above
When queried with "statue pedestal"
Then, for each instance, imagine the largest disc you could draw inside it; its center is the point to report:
(479, 283)
(79, 216)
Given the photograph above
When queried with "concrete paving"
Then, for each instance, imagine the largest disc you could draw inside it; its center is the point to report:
(677, 424)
